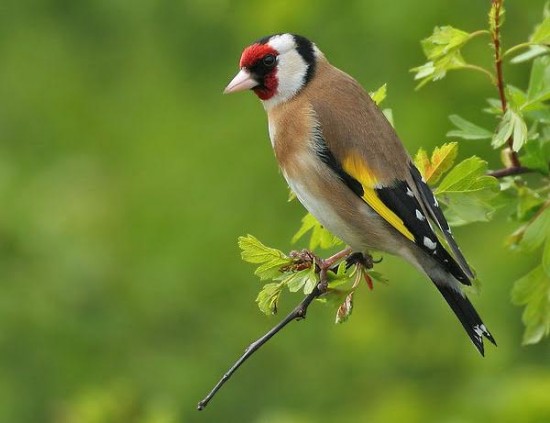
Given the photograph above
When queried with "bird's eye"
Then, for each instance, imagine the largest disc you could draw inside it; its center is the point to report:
(269, 60)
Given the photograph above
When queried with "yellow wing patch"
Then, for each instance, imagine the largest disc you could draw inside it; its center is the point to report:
(355, 167)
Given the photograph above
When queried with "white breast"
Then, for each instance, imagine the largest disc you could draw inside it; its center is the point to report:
(320, 207)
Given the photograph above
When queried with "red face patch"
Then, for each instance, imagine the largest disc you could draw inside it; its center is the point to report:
(254, 53)
(252, 59)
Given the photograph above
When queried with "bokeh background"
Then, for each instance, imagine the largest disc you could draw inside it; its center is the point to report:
(126, 178)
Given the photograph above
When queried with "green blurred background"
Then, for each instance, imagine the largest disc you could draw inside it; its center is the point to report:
(126, 178)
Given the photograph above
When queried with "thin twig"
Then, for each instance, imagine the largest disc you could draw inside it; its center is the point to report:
(500, 78)
(298, 313)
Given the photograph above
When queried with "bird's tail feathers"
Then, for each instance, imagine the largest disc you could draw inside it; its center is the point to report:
(467, 315)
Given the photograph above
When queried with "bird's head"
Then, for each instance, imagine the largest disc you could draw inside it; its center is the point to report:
(276, 67)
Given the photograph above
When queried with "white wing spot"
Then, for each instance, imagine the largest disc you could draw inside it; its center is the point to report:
(449, 230)
(429, 243)
(409, 192)
(419, 215)
(436, 204)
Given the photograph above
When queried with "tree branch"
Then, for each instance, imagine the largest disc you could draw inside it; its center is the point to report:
(500, 78)
(509, 171)
(298, 313)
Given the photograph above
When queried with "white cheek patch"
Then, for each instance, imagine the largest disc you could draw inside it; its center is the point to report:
(291, 69)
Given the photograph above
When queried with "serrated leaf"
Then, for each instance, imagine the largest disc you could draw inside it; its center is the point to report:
(435, 70)
(444, 40)
(270, 259)
(533, 291)
(379, 95)
(320, 237)
(468, 130)
(296, 280)
(536, 232)
(467, 176)
(345, 309)
(268, 298)
(511, 125)
(441, 161)
(311, 281)
(305, 279)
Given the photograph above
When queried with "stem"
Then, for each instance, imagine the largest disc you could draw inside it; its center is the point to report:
(482, 70)
(516, 48)
(298, 313)
(480, 32)
(500, 78)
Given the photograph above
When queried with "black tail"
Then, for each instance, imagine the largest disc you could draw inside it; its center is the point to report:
(467, 315)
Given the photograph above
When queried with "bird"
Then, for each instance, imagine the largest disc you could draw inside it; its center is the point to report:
(347, 166)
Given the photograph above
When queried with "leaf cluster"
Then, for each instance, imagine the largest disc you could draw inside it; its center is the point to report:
(298, 272)
(522, 125)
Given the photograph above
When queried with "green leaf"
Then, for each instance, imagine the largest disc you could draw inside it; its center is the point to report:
(528, 203)
(320, 237)
(537, 231)
(435, 70)
(379, 95)
(539, 82)
(389, 115)
(268, 298)
(495, 107)
(531, 53)
(270, 260)
(463, 209)
(516, 97)
(511, 125)
(441, 161)
(305, 279)
(345, 309)
(467, 192)
(533, 291)
(536, 155)
(546, 257)
(467, 176)
(468, 130)
(296, 280)
(542, 32)
(444, 40)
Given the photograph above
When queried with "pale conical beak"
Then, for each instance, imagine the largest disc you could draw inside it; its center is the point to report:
(242, 81)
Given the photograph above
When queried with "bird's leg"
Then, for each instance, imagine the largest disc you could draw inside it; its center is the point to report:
(365, 261)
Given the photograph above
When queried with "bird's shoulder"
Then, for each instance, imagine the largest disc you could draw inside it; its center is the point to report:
(352, 124)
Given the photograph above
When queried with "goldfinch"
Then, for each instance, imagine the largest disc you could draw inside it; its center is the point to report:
(347, 166)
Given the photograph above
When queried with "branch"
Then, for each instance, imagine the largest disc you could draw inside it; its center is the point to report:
(509, 171)
(500, 78)
(298, 313)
